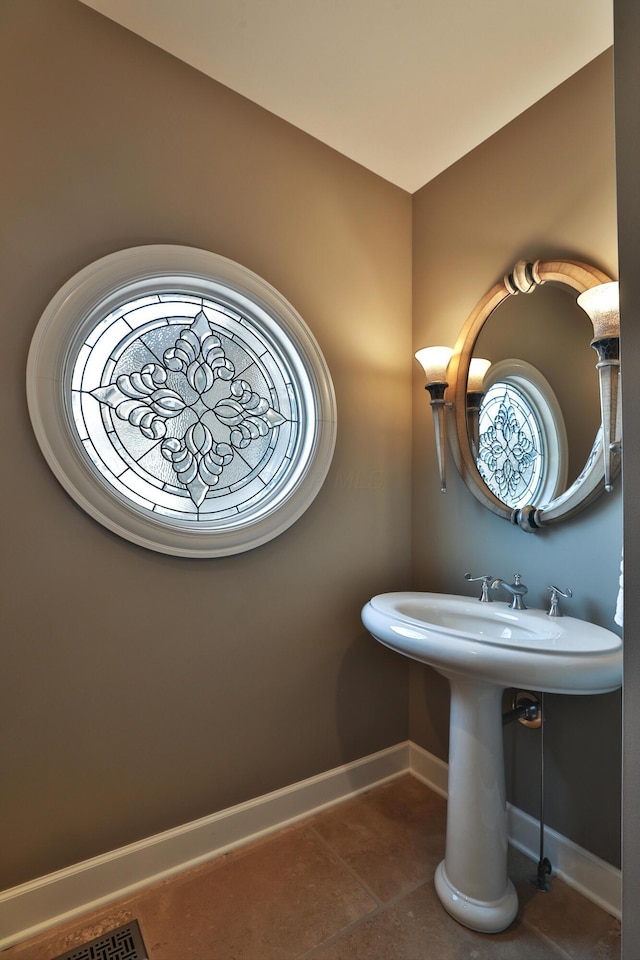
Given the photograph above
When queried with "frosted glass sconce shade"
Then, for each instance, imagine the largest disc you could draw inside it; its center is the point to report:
(434, 361)
(602, 305)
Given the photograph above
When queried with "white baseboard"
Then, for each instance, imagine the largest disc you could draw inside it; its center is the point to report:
(33, 907)
(589, 875)
(429, 769)
(36, 906)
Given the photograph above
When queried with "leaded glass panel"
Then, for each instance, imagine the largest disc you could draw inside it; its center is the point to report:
(182, 407)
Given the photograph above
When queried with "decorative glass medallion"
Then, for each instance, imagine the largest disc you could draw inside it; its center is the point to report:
(511, 445)
(183, 410)
(181, 400)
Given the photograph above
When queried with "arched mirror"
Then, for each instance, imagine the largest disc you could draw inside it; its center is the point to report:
(524, 441)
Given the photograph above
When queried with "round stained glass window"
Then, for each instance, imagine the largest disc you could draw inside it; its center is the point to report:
(181, 401)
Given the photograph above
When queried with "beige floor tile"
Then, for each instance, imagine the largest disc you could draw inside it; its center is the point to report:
(418, 928)
(393, 837)
(353, 883)
(274, 903)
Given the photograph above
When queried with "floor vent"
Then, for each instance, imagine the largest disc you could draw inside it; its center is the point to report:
(122, 944)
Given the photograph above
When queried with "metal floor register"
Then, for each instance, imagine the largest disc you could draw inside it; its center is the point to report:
(122, 944)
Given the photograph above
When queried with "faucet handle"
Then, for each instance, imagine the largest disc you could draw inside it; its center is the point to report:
(485, 596)
(556, 593)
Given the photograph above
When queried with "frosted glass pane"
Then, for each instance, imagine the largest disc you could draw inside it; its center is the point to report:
(101, 352)
(100, 439)
(141, 316)
(254, 340)
(78, 416)
(78, 370)
(237, 497)
(96, 459)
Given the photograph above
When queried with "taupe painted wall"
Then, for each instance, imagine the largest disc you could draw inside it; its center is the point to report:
(141, 691)
(627, 85)
(543, 186)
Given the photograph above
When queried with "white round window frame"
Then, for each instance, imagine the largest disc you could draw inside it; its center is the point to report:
(108, 283)
(539, 393)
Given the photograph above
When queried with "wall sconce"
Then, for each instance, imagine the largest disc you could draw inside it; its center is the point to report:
(434, 361)
(602, 306)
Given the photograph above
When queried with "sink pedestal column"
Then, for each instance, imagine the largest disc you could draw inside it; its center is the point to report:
(472, 880)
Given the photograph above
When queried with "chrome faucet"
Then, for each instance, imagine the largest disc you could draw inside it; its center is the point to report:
(485, 596)
(517, 590)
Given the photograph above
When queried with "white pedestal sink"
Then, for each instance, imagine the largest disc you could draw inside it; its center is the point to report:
(482, 648)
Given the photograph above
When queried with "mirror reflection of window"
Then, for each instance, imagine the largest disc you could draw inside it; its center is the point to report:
(557, 379)
(522, 443)
(511, 446)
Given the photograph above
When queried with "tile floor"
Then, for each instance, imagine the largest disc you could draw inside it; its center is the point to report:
(352, 883)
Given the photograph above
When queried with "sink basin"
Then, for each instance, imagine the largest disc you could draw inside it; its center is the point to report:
(481, 648)
(489, 641)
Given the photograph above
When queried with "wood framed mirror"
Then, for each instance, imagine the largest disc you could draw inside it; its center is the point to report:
(586, 482)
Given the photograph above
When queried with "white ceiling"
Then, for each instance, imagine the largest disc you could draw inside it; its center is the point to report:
(404, 87)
